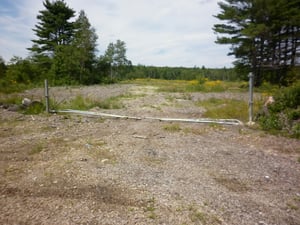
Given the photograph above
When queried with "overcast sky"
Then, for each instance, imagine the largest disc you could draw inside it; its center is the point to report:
(156, 32)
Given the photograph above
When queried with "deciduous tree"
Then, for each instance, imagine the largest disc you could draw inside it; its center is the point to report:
(115, 55)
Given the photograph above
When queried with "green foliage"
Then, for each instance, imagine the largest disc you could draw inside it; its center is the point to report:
(115, 57)
(35, 108)
(53, 28)
(12, 99)
(18, 76)
(111, 103)
(81, 103)
(37, 148)
(283, 115)
(263, 35)
(2, 68)
(84, 44)
(10, 86)
(225, 108)
(64, 51)
(208, 86)
(172, 127)
(181, 73)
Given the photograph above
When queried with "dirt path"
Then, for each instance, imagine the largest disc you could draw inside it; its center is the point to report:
(63, 169)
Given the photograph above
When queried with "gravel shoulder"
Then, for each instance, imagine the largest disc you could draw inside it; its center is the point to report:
(68, 169)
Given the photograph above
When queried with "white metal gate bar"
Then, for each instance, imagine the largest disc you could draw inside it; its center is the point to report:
(200, 120)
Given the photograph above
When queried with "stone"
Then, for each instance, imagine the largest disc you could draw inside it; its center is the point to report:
(13, 108)
(26, 102)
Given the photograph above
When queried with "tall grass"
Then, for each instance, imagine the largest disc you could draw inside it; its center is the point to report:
(201, 85)
(82, 103)
(226, 108)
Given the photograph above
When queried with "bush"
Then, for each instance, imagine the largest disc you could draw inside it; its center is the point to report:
(283, 115)
(35, 108)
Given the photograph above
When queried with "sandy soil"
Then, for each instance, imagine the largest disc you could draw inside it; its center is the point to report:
(68, 169)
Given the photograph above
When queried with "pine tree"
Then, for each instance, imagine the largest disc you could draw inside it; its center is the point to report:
(264, 36)
(54, 27)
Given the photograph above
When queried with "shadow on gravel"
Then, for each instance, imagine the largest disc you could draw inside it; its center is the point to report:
(101, 194)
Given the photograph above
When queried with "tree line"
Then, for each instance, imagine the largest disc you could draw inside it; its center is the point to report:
(182, 73)
(64, 51)
(264, 36)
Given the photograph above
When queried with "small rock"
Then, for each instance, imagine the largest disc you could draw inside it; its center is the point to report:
(88, 145)
(267, 177)
(83, 159)
(55, 182)
(104, 160)
(26, 102)
(13, 108)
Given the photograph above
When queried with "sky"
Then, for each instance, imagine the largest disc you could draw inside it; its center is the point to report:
(170, 33)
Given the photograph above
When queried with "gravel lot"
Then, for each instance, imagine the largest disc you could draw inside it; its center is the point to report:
(68, 169)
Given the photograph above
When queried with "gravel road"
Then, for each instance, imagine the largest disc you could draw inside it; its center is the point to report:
(68, 169)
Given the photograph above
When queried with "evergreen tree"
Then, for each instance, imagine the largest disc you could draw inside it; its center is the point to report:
(54, 27)
(264, 36)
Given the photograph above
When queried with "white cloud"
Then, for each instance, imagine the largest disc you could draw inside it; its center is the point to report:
(159, 32)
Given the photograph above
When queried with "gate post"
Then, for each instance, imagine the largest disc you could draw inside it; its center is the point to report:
(47, 96)
(251, 76)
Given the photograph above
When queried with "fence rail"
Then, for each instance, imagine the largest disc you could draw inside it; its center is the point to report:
(199, 120)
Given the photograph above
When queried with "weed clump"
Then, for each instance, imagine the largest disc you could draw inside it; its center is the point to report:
(283, 116)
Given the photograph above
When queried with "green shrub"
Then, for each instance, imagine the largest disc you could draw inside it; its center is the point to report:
(283, 115)
(35, 108)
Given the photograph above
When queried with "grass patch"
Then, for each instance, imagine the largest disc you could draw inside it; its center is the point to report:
(292, 206)
(35, 108)
(200, 85)
(197, 216)
(11, 86)
(198, 131)
(150, 208)
(82, 103)
(36, 149)
(175, 127)
(12, 99)
(111, 103)
(226, 108)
